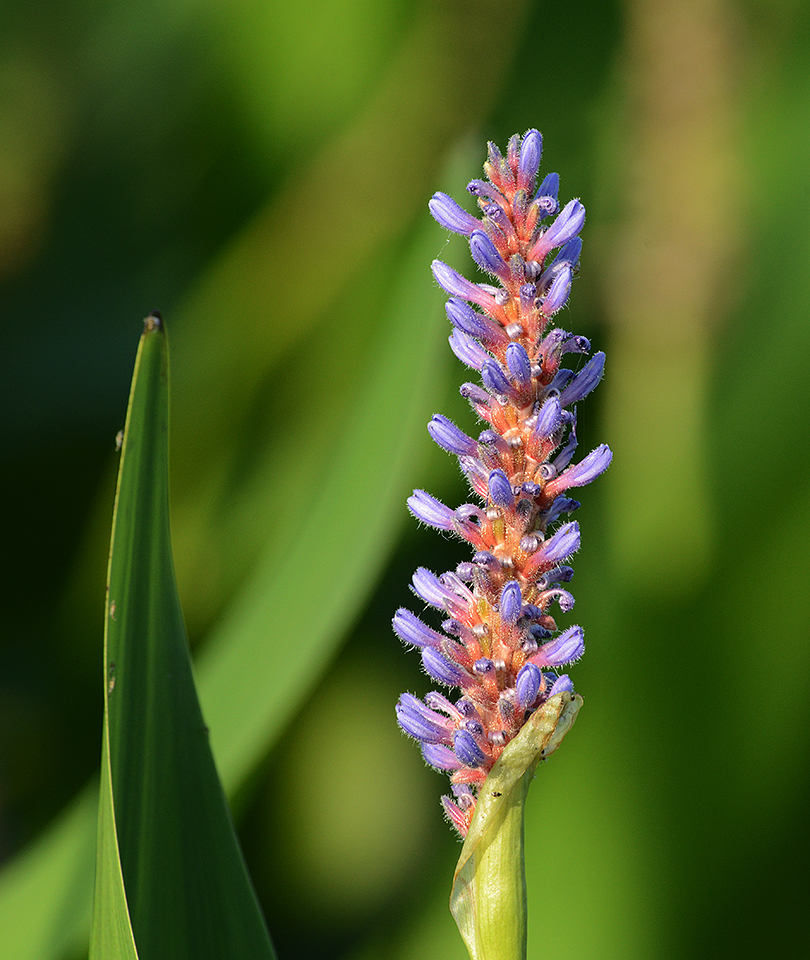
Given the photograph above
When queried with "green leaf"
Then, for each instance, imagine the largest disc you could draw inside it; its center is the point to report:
(251, 650)
(111, 936)
(488, 899)
(187, 888)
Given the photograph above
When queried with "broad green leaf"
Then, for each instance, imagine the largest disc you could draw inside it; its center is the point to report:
(186, 884)
(111, 936)
(488, 899)
(247, 688)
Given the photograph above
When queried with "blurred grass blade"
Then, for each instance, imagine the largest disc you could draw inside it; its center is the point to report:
(365, 473)
(488, 899)
(188, 891)
(44, 891)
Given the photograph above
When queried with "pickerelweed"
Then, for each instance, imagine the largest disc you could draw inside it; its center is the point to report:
(500, 645)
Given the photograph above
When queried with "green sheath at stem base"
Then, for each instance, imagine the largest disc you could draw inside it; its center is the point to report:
(488, 900)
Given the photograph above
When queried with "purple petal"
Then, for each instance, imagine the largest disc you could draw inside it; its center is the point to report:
(565, 455)
(437, 701)
(451, 216)
(560, 506)
(567, 225)
(528, 684)
(549, 419)
(494, 379)
(517, 360)
(467, 750)
(475, 472)
(564, 542)
(480, 188)
(531, 150)
(577, 345)
(565, 600)
(500, 489)
(484, 667)
(421, 723)
(410, 629)
(563, 684)
(546, 196)
(560, 574)
(528, 294)
(511, 602)
(427, 587)
(485, 254)
(458, 286)
(495, 213)
(569, 252)
(585, 381)
(443, 670)
(440, 757)
(474, 394)
(467, 350)
(431, 511)
(558, 292)
(566, 648)
(589, 468)
(462, 315)
(448, 436)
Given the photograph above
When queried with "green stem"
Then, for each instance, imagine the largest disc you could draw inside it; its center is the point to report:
(488, 899)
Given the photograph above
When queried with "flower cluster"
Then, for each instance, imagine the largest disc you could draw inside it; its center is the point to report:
(500, 644)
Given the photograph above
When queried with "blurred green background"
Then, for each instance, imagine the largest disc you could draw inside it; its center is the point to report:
(260, 173)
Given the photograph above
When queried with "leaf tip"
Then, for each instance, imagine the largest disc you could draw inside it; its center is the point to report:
(153, 322)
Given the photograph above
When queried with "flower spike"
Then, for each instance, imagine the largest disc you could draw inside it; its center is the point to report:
(500, 646)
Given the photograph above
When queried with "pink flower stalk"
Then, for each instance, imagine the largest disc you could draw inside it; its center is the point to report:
(500, 645)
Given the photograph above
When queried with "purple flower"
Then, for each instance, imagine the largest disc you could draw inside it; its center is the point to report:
(562, 684)
(486, 256)
(558, 292)
(480, 188)
(451, 216)
(549, 418)
(566, 648)
(431, 511)
(567, 225)
(499, 218)
(530, 153)
(546, 196)
(511, 601)
(467, 750)
(587, 469)
(517, 360)
(444, 670)
(475, 324)
(450, 438)
(500, 490)
(495, 379)
(440, 757)
(410, 629)
(569, 252)
(458, 286)
(501, 648)
(561, 546)
(527, 685)
(420, 722)
(467, 350)
(585, 381)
